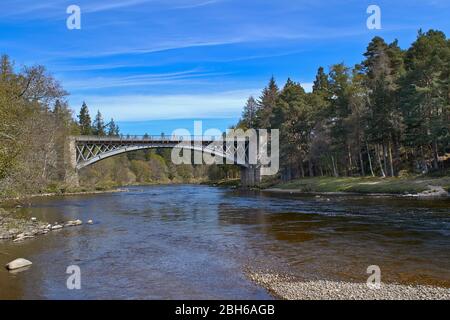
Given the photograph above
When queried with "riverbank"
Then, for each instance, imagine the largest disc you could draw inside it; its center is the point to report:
(19, 229)
(12, 227)
(423, 187)
(25, 198)
(290, 288)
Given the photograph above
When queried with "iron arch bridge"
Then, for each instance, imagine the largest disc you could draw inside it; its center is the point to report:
(87, 150)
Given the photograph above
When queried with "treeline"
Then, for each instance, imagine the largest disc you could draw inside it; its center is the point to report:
(98, 127)
(34, 123)
(386, 116)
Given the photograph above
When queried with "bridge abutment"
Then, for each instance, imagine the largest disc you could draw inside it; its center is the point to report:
(71, 173)
(250, 176)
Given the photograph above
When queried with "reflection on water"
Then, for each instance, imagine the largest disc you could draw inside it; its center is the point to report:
(169, 242)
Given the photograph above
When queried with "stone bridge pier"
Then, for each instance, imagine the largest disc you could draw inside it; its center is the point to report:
(250, 176)
(70, 157)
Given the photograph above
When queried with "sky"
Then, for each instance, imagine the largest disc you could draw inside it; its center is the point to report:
(154, 64)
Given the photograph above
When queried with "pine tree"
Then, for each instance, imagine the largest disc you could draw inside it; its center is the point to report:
(267, 103)
(383, 67)
(113, 129)
(425, 96)
(249, 114)
(99, 125)
(291, 115)
(340, 86)
(321, 83)
(84, 120)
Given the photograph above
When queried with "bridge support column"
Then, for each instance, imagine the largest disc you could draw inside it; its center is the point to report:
(70, 163)
(251, 176)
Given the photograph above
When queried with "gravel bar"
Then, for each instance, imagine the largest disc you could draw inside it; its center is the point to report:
(288, 288)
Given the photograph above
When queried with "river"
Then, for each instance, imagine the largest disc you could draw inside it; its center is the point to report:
(196, 242)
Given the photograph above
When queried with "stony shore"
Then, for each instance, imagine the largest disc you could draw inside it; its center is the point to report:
(433, 192)
(19, 229)
(290, 288)
(45, 195)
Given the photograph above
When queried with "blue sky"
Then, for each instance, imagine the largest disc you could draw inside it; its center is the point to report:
(140, 60)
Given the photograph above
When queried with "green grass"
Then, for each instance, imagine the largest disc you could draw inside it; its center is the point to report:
(225, 183)
(366, 185)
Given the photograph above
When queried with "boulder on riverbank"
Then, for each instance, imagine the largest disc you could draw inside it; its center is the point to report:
(18, 263)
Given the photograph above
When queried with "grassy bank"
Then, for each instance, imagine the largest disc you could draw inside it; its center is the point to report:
(410, 185)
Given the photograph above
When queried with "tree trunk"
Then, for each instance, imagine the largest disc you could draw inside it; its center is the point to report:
(310, 168)
(361, 163)
(302, 171)
(335, 172)
(391, 164)
(370, 159)
(350, 165)
(396, 147)
(384, 158)
(377, 151)
(435, 156)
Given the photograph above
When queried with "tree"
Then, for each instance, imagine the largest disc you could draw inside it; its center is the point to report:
(291, 115)
(340, 86)
(249, 119)
(84, 120)
(267, 102)
(99, 125)
(113, 129)
(424, 95)
(383, 67)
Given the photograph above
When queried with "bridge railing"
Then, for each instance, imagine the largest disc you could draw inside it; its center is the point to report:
(144, 138)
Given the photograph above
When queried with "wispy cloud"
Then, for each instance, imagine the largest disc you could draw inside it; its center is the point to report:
(113, 4)
(197, 4)
(138, 80)
(157, 107)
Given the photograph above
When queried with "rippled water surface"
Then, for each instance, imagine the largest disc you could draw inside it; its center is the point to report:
(196, 242)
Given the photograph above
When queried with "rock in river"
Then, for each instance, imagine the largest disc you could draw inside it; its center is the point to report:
(18, 263)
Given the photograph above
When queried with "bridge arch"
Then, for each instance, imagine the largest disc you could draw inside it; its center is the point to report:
(125, 149)
(85, 151)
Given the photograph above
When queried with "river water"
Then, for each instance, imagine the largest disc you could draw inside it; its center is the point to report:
(197, 242)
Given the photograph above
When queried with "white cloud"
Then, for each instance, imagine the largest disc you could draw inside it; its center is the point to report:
(158, 107)
(138, 80)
